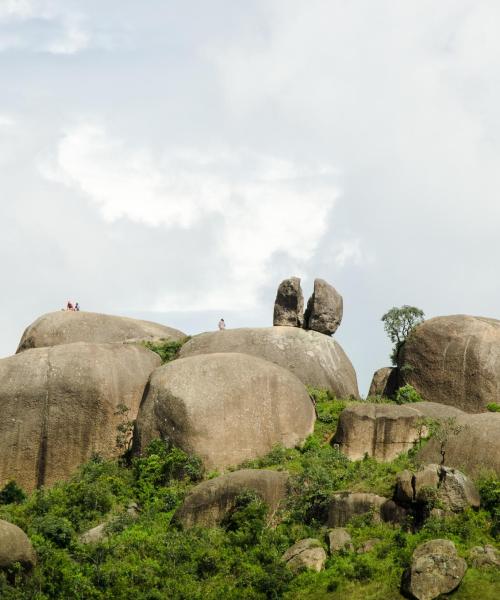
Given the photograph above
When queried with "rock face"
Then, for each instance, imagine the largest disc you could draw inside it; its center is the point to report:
(453, 489)
(66, 327)
(95, 535)
(485, 556)
(379, 430)
(385, 430)
(435, 569)
(474, 448)
(384, 382)
(315, 359)
(15, 547)
(226, 408)
(455, 360)
(324, 309)
(344, 506)
(305, 554)
(289, 304)
(209, 502)
(339, 539)
(58, 407)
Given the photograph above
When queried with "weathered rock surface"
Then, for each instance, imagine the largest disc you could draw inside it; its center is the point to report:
(384, 382)
(452, 488)
(226, 408)
(211, 501)
(58, 407)
(346, 505)
(455, 360)
(324, 308)
(15, 547)
(435, 569)
(368, 545)
(379, 430)
(339, 539)
(385, 430)
(95, 535)
(315, 359)
(305, 554)
(289, 304)
(475, 448)
(484, 557)
(66, 327)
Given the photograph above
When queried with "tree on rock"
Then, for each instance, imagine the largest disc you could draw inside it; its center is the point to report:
(398, 324)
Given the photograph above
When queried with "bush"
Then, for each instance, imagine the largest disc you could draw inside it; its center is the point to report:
(493, 407)
(12, 494)
(407, 394)
(166, 350)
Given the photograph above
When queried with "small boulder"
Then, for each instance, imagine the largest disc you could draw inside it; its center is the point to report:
(316, 359)
(484, 557)
(384, 382)
(95, 535)
(339, 539)
(324, 309)
(289, 304)
(346, 505)
(67, 327)
(210, 502)
(226, 408)
(368, 545)
(435, 569)
(15, 547)
(305, 554)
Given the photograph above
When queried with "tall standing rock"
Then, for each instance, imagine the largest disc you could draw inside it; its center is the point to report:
(384, 382)
(324, 308)
(60, 405)
(289, 304)
(15, 547)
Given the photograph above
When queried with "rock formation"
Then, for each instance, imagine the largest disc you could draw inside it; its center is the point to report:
(305, 554)
(15, 547)
(315, 359)
(346, 505)
(226, 408)
(385, 430)
(324, 309)
(485, 557)
(454, 360)
(59, 407)
(289, 304)
(339, 539)
(210, 502)
(66, 327)
(435, 569)
(384, 382)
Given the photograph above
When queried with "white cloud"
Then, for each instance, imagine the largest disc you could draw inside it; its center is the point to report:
(258, 205)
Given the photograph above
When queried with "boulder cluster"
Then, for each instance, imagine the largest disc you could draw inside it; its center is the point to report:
(323, 312)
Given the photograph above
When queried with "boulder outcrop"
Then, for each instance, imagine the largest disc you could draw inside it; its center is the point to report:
(324, 309)
(476, 447)
(339, 539)
(211, 501)
(15, 547)
(59, 407)
(484, 557)
(454, 360)
(385, 430)
(315, 359)
(384, 382)
(435, 569)
(289, 304)
(66, 327)
(226, 408)
(346, 505)
(305, 554)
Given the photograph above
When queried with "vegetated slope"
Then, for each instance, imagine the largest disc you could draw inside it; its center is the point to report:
(148, 558)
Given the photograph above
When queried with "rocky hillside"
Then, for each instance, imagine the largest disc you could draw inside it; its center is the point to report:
(135, 463)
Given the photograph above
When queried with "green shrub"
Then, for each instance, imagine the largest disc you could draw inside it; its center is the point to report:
(166, 350)
(11, 493)
(407, 394)
(493, 407)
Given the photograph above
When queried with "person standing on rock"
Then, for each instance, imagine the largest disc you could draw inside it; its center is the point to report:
(69, 305)
(222, 325)
(77, 306)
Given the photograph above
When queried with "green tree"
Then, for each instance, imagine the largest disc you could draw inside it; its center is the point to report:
(398, 324)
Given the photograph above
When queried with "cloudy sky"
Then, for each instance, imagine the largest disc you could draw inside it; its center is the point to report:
(174, 160)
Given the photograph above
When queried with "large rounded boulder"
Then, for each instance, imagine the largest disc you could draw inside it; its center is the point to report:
(15, 547)
(226, 408)
(454, 360)
(211, 501)
(60, 405)
(66, 327)
(316, 359)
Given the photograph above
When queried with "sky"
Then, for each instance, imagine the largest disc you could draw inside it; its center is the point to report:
(175, 160)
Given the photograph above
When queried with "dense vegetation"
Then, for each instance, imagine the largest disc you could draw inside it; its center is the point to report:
(148, 558)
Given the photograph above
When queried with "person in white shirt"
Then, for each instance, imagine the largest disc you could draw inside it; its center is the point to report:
(222, 325)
